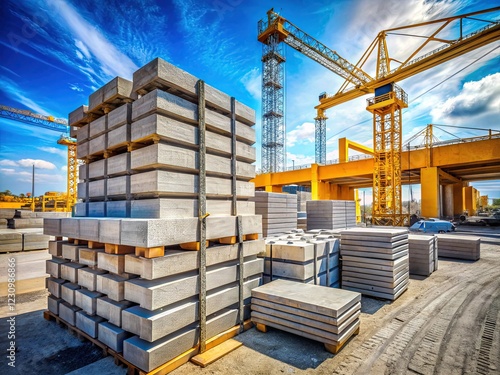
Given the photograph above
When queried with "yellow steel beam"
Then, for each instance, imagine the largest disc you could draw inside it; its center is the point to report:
(346, 144)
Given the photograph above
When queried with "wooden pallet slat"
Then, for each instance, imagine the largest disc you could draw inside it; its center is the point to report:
(150, 252)
(217, 352)
(118, 249)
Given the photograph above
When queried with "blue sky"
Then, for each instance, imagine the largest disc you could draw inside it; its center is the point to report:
(55, 53)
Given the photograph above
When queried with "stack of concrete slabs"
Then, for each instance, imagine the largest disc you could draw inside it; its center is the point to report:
(330, 214)
(278, 210)
(423, 254)
(327, 315)
(459, 247)
(375, 262)
(293, 259)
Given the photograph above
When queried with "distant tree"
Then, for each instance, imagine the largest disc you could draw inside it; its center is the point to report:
(496, 201)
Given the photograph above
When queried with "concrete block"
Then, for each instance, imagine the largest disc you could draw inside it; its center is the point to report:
(97, 145)
(118, 186)
(110, 231)
(96, 209)
(82, 192)
(52, 227)
(77, 117)
(53, 304)
(158, 71)
(114, 263)
(178, 208)
(70, 227)
(82, 134)
(148, 356)
(118, 209)
(87, 300)
(97, 188)
(89, 256)
(118, 164)
(153, 325)
(154, 294)
(112, 285)
(112, 336)
(98, 126)
(151, 232)
(70, 251)
(88, 323)
(54, 286)
(68, 292)
(179, 261)
(89, 228)
(83, 170)
(115, 91)
(97, 169)
(119, 136)
(35, 241)
(69, 271)
(168, 183)
(112, 310)
(163, 155)
(119, 116)
(53, 266)
(81, 209)
(67, 313)
(87, 277)
(82, 151)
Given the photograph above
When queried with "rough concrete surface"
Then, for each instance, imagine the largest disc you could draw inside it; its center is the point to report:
(446, 323)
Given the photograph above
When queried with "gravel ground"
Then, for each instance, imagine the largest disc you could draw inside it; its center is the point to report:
(447, 323)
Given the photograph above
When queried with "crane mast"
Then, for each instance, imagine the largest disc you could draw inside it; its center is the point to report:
(51, 123)
(389, 100)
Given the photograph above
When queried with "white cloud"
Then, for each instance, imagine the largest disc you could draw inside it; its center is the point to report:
(54, 150)
(64, 168)
(42, 164)
(91, 42)
(10, 163)
(252, 81)
(476, 99)
(298, 159)
(8, 171)
(12, 90)
(301, 134)
(75, 87)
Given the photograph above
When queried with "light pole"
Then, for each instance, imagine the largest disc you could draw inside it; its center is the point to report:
(293, 164)
(33, 190)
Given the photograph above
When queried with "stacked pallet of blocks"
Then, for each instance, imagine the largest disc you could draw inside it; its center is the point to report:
(330, 214)
(375, 261)
(459, 247)
(128, 275)
(423, 254)
(278, 210)
(330, 316)
(313, 261)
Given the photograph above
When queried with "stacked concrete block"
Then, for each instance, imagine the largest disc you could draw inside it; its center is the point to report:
(459, 247)
(330, 316)
(330, 214)
(279, 212)
(137, 288)
(423, 254)
(375, 261)
(312, 261)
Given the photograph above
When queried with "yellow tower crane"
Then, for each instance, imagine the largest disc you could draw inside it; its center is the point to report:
(389, 100)
(56, 124)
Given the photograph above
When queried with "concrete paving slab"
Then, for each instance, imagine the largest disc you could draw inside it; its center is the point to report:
(313, 298)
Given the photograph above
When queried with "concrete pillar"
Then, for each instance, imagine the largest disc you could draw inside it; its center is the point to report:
(448, 200)
(315, 183)
(470, 195)
(429, 180)
(458, 199)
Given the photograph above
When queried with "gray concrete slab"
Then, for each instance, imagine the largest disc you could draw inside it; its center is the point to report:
(117, 164)
(71, 251)
(112, 285)
(118, 186)
(112, 336)
(87, 300)
(88, 323)
(53, 266)
(88, 256)
(87, 277)
(96, 209)
(179, 261)
(313, 298)
(54, 286)
(118, 209)
(98, 126)
(76, 117)
(119, 116)
(53, 304)
(112, 310)
(68, 292)
(114, 263)
(67, 312)
(69, 271)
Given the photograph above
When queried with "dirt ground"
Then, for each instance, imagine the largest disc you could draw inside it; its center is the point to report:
(447, 323)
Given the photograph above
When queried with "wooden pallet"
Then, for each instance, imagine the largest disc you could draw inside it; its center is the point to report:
(334, 349)
(167, 367)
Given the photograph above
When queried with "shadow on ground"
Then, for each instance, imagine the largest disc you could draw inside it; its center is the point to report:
(291, 349)
(372, 305)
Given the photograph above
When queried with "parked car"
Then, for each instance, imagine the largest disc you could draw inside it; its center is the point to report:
(432, 226)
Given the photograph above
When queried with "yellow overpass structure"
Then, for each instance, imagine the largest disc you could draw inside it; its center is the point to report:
(443, 171)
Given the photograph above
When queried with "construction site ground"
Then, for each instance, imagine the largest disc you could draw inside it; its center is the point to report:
(447, 323)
